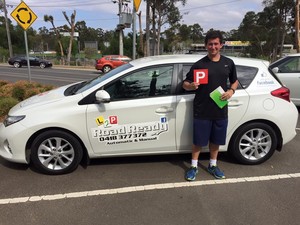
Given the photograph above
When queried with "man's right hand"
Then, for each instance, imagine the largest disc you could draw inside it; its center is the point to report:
(194, 85)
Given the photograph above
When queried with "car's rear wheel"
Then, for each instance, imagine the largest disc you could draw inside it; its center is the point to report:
(17, 64)
(56, 152)
(42, 65)
(106, 69)
(253, 143)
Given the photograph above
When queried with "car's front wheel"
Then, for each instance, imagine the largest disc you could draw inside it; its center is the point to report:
(56, 152)
(106, 69)
(253, 143)
(17, 64)
(42, 65)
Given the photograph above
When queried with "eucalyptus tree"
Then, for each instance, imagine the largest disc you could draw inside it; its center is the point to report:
(162, 12)
(280, 15)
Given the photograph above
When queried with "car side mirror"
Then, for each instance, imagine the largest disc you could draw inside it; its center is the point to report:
(275, 69)
(102, 96)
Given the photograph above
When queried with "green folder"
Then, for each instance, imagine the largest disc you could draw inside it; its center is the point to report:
(216, 96)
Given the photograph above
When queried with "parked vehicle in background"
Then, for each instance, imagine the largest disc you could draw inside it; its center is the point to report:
(109, 62)
(140, 108)
(19, 61)
(288, 71)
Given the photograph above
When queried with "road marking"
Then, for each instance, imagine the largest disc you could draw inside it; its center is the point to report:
(145, 188)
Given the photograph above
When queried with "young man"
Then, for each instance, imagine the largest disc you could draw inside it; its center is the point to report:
(210, 121)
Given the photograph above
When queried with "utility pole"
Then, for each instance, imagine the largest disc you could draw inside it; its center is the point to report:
(125, 20)
(297, 26)
(121, 52)
(7, 30)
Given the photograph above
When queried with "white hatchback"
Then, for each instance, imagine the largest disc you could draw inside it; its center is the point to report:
(140, 108)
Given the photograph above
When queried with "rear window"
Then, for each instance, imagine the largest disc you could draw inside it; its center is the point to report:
(245, 74)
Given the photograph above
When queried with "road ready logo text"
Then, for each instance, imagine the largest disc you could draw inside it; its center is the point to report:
(110, 132)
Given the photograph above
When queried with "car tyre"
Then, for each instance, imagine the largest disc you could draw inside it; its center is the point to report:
(253, 143)
(106, 69)
(17, 64)
(42, 65)
(56, 152)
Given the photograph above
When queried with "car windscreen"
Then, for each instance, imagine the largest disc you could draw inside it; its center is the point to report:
(102, 78)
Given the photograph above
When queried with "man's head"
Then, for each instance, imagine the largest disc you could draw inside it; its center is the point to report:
(213, 34)
(213, 44)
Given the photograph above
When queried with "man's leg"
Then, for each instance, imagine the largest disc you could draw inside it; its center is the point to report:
(192, 172)
(213, 169)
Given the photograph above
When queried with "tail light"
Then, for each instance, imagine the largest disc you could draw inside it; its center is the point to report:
(282, 92)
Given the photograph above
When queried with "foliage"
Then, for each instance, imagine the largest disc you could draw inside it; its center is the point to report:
(21, 90)
(12, 93)
(6, 104)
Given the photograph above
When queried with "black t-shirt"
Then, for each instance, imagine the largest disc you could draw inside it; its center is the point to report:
(218, 74)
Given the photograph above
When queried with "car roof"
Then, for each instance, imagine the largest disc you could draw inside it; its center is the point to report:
(186, 58)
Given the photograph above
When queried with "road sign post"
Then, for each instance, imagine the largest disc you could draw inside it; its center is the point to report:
(25, 18)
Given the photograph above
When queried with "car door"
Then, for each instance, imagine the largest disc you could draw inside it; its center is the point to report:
(140, 118)
(237, 107)
(289, 74)
(116, 61)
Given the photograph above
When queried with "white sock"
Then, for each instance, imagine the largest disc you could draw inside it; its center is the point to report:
(213, 162)
(194, 162)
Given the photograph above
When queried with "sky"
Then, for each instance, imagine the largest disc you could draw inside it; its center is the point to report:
(223, 15)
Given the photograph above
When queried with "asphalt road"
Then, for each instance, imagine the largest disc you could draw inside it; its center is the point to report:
(57, 76)
(152, 190)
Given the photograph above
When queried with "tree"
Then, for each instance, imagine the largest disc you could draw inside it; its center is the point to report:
(158, 13)
(49, 18)
(71, 23)
(281, 11)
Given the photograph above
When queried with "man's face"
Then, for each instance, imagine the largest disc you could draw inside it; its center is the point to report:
(213, 46)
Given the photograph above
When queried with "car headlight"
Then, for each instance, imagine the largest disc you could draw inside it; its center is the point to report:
(9, 120)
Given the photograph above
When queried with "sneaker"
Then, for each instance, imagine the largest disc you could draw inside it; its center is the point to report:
(191, 173)
(216, 172)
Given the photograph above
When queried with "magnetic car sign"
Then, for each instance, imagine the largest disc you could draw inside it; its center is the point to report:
(129, 133)
(24, 15)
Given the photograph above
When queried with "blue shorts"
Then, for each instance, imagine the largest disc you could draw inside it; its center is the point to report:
(206, 131)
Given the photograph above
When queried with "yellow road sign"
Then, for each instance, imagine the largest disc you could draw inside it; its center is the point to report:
(137, 4)
(23, 15)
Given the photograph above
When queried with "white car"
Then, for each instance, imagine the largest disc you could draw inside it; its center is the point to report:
(287, 70)
(140, 108)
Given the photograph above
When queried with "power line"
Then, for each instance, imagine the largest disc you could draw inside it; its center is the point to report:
(205, 6)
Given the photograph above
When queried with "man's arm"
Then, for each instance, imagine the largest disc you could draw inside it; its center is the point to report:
(228, 94)
(190, 86)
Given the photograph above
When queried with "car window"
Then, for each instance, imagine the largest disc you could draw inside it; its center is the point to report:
(115, 58)
(154, 81)
(290, 66)
(124, 59)
(245, 74)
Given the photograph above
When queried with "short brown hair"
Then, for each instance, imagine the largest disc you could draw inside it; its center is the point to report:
(212, 35)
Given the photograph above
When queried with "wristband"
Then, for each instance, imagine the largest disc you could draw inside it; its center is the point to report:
(232, 90)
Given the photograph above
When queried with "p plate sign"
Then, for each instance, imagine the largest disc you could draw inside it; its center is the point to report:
(201, 76)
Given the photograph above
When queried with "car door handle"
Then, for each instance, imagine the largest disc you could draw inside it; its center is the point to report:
(234, 103)
(164, 109)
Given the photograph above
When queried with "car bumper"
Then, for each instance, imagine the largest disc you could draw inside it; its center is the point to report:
(13, 142)
(98, 67)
